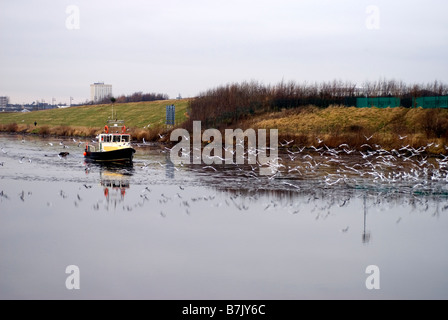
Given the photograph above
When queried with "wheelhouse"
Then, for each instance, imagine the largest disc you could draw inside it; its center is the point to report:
(116, 138)
(114, 141)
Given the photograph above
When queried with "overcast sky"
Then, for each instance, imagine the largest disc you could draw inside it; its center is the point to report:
(48, 50)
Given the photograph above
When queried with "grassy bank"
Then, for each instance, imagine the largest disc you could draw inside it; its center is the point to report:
(143, 119)
(390, 128)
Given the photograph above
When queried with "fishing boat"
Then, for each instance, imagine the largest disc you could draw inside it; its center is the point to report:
(114, 144)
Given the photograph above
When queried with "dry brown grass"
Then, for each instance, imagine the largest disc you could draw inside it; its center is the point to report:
(44, 130)
(151, 134)
(11, 127)
(356, 127)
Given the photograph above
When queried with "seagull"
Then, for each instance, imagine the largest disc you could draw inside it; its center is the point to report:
(332, 183)
(297, 152)
(21, 160)
(286, 143)
(319, 140)
(345, 229)
(368, 138)
(50, 143)
(3, 150)
(292, 185)
(402, 137)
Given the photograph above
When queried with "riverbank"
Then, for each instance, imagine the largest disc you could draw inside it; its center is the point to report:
(143, 119)
(159, 133)
(355, 128)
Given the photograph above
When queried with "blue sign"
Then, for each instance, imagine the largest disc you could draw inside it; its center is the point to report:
(170, 115)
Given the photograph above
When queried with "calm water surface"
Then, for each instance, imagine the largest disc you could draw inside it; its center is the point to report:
(159, 231)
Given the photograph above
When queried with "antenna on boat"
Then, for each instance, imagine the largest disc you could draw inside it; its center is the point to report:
(112, 99)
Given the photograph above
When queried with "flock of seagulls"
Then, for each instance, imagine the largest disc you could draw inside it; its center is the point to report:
(303, 171)
(406, 168)
(60, 155)
(333, 166)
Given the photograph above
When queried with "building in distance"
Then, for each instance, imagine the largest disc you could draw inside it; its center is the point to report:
(3, 103)
(99, 91)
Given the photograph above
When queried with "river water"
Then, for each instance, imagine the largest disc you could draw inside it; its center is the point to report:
(154, 230)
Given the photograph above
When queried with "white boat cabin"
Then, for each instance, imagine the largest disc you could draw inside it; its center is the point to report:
(114, 141)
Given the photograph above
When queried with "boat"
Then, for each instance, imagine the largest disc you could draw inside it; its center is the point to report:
(114, 144)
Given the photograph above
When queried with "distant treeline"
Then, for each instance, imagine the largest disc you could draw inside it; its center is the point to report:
(230, 103)
(135, 97)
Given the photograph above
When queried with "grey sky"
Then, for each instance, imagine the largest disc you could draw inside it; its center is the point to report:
(186, 47)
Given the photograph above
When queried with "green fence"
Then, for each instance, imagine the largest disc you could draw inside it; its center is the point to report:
(383, 102)
(430, 102)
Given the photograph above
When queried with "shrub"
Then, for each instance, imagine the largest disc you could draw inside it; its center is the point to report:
(44, 130)
(436, 123)
(12, 127)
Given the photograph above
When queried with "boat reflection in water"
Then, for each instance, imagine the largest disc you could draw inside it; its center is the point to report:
(115, 184)
(115, 180)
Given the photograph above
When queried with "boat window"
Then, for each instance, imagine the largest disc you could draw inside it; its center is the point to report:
(117, 138)
(106, 138)
(125, 138)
